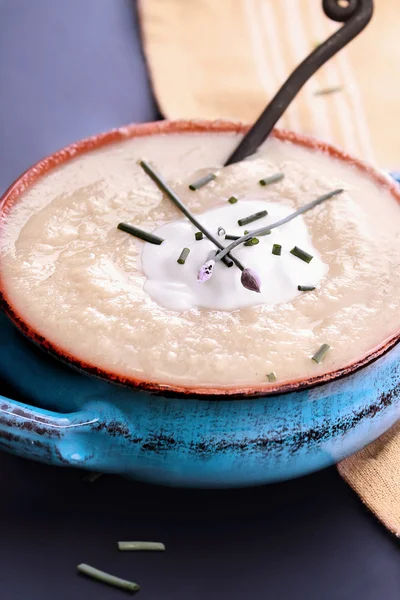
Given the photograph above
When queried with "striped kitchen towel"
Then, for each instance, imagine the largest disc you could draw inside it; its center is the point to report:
(226, 59)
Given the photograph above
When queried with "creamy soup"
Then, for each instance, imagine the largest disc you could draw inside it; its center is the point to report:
(128, 306)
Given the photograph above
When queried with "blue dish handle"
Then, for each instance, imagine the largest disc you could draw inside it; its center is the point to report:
(395, 175)
(45, 435)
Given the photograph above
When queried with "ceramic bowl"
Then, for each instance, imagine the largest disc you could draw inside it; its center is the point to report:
(80, 415)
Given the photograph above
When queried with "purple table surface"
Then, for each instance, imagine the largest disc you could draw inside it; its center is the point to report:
(67, 70)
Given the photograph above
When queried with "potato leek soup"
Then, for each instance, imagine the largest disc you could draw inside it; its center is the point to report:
(301, 299)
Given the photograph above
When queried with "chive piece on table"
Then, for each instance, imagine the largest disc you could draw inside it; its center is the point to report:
(221, 231)
(232, 237)
(198, 235)
(271, 376)
(321, 353)
(91, 477)
(129, 586)
(306, 288)
(251, 218)
(271, 179)
(301, 254)
(277, 249)
(232, 200)
(252, 242)
(196, 185)
(183, 256)
(139, 233)
(328, 90)
(140, 546)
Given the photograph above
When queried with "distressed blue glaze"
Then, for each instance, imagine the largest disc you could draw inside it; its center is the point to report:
(77, 420)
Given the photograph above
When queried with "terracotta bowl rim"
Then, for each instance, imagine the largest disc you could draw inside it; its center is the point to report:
(47, 164)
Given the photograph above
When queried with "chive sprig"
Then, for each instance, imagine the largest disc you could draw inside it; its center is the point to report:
(263, 230)
(168, 191)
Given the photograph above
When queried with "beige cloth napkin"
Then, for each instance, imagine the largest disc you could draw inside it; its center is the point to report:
(226, 58)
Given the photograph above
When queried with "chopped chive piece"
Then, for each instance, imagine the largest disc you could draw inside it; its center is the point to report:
(277, 249)
(183, 256)
(139, 233)
(232, 237)
(251, 218)
(91, 477)
(198, 235)
(328, 90)
(221, 231)
(321, 353)
(139, 546)
(232, 200)
(245, 232)
(301, 254)
(252, 242)
(129, 586)
(202, 182)
(271, 376)
(306, 288)
(271, 179)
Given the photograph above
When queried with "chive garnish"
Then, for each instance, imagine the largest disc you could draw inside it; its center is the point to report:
(302, 254)
(139, 233)
(183, 256)
(271, 179)
(271, 376)
(277, 249)
(202, 182)
(129, 586)
(321, 353)
(232, 237)
(140, 546)
(232, 200)
(268, 228)
(252, 242)
(166, 189)
(198, 235)
(328, 90)
(221, 231)
(306, 288)
(251, 218)
(91, 477)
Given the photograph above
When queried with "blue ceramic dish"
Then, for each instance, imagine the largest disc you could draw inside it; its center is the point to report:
(183, 437)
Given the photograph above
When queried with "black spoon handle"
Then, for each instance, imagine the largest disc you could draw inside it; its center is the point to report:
(355, 16)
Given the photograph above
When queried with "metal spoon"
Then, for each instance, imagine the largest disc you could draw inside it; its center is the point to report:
(355, 14)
